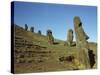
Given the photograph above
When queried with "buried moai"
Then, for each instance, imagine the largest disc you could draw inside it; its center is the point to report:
(26, 27)
(70, 37)
(32, 29)
(39, 32)
(50, 37)
(82, 44)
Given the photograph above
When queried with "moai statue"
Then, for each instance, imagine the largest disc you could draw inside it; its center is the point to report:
(32, 29)
(39, 32)
(50, 37)
(81, 42)
(70, 37)
(26, 27)
(81, 36)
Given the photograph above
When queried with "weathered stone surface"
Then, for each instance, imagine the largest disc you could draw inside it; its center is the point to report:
(83, 57)
(81, 36)
(91, 58)
(67, 58)
(81, 42)
(70, 37)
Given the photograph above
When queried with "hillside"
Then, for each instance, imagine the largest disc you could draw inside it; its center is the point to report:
(33, 53)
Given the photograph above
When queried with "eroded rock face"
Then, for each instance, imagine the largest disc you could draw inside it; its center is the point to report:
(67, 58)
(92, 58)
(70, 37)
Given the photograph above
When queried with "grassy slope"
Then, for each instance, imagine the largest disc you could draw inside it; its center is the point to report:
(50, 60)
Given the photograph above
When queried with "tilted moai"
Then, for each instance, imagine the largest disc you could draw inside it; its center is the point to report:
(81, 36)
(26, 27)
(32, 29)
(70, 37)
(50, 37)
(82, 43)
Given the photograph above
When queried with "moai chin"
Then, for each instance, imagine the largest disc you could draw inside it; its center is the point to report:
(70, 37)
(81, 42)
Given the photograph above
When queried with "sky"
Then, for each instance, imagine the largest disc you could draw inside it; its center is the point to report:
(56, 17)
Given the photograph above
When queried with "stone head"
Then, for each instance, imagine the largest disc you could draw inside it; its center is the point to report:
(77, 21)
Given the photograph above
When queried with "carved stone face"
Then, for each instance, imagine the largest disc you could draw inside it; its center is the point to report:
(77, 21)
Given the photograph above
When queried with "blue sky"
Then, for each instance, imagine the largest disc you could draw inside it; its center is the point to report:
(57, 17)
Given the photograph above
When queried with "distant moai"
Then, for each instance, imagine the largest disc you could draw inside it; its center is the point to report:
(70, 37)
(81, 42)
(32, 29)
(39, 32)
(26, 27)
(50, 37)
